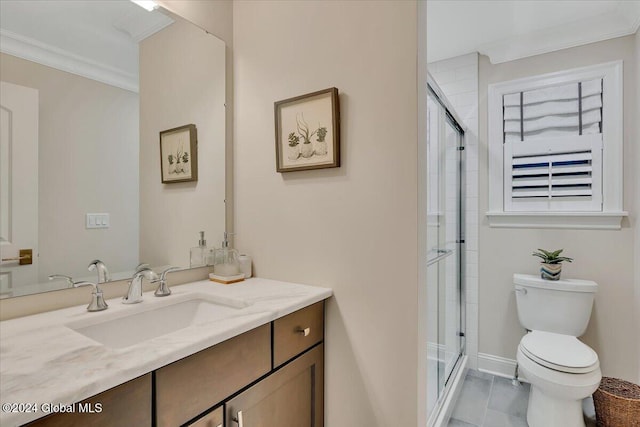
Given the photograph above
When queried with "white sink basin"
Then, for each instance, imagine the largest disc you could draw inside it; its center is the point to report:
(154, 321)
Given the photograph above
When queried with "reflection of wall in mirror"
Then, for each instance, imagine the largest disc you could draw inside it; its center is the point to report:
(88, 162)
(179, 86)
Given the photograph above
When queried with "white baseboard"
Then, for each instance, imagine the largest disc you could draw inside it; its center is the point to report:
(496, 365)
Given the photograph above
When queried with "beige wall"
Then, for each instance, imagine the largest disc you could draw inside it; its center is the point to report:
(606, 257)
(88, 163)
(178, 86)
(352, 228)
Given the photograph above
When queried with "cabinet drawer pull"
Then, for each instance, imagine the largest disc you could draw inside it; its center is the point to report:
(305, 332)
(238, 419)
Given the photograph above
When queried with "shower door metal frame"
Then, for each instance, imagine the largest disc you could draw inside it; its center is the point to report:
(452, 118)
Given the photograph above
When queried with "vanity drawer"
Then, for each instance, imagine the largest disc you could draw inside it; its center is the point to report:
(127, 404)
(297, 332)
(192, 385)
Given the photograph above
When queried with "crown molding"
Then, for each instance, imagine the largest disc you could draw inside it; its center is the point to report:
(33, 50)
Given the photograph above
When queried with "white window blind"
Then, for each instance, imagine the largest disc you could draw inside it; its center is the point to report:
(553, 148)
(557, 174)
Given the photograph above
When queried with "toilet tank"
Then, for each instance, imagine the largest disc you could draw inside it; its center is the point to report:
(560, 306)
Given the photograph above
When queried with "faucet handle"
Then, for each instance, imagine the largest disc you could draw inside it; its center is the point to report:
(163, 275)
(68, 279)
(97, 300)
(163, 290)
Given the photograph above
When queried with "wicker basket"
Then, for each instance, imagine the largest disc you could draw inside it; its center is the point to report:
(617, 403)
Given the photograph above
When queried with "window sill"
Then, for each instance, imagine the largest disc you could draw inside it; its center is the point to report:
(566, 220)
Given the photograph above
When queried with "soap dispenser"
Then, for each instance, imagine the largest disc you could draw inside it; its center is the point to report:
(197, 255)
(226, 260)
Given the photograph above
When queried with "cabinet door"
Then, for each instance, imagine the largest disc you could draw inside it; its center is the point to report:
(128, 404)
(190, 386)
(212, 419)
(290, 397)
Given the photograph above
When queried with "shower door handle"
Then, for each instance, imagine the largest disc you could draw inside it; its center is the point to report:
(443, 253)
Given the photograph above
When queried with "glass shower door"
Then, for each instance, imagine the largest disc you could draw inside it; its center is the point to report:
(444, 257)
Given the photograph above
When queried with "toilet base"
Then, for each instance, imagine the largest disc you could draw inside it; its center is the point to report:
(548, 411)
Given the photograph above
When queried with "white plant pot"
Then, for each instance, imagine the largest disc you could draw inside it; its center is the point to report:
(307, 150)
(293, 152)
(320, 148)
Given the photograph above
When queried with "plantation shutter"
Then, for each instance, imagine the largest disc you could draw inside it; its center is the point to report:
(553, 148)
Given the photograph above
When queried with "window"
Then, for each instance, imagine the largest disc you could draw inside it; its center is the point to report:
(555, 149)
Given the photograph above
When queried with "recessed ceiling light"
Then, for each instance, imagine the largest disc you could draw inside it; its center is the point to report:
(146, 4)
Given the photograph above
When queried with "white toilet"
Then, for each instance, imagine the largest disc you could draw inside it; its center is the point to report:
(561, 369)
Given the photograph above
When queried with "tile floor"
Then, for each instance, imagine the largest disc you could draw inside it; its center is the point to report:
(490, 401)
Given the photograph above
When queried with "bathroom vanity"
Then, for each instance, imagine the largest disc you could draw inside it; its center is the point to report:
(259, 358)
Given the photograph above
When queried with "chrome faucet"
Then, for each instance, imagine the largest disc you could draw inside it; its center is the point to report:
(103, 272)
(163, 290)
(97, 300)
(68, 279)
(134, 294)
(142, 266)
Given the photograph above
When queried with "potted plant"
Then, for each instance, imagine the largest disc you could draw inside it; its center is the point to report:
(321, 144)
(172, 167)
(303, 130)
(294, 151)
(551, 265)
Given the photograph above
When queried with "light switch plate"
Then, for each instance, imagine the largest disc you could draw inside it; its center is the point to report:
(97, 220)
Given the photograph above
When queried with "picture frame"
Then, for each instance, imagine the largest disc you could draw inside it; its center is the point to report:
(308, 131)
(179, 154)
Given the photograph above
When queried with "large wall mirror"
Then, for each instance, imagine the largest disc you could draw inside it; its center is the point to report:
(87, 87)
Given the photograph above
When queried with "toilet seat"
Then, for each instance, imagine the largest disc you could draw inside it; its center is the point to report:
(559, 352)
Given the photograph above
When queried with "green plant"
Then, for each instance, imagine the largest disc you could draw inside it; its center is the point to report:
(551, 257)
(293, 139)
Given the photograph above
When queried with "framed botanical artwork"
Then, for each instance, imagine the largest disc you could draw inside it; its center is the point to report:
(308, 131)
(179, 154)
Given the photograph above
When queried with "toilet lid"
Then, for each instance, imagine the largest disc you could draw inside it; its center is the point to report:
(559, 352)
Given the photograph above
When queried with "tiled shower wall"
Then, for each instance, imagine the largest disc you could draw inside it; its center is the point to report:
(458, 79)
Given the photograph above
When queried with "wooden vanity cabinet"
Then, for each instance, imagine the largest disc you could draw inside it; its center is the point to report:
(270, 376)
(296, 332)
(214, 418)
(292, 396)
(194, 384)
(126, 404)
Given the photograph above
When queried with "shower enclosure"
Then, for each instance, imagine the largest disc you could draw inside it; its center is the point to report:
(445, 244)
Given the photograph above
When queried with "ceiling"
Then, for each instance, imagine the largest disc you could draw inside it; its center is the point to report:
(506, 30)
(76, 36)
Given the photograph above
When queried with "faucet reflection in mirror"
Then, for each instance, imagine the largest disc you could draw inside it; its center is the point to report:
(103, 272)
(67, 279)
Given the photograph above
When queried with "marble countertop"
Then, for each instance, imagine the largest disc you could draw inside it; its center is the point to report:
(42, 361)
